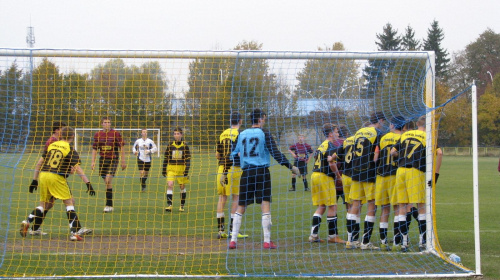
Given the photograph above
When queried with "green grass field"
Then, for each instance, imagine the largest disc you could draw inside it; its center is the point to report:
(139, 238)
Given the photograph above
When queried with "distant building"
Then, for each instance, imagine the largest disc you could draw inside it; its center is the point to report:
(308, 105)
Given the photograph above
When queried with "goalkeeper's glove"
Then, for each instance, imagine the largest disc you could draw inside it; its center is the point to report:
(223, 179)
(33, 186)
(90, 190)
(295, 170)
(436, 175)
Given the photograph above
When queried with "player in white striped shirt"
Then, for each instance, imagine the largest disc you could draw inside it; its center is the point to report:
(143, 148)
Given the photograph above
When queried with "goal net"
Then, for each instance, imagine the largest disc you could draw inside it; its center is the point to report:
(197, 91)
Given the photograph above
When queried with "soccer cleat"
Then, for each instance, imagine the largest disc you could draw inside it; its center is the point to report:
(352, 245)
(240, 235)
(25, 225)
(37, 232)
(385, 247)
(396, 248)
(84, 231)
(306, 189)
(108, 209)
(168, 208)
(404, 249)
(181, 209)
(291, 190)
(422, 247)
(315, 239)
(368, 246)
(75, 237)
(335, 239)
(232, 245)
(143, 189)
(221, 235)
(269, 245)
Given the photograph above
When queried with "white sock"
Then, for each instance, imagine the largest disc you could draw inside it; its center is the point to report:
(236, 226)
(266, 226)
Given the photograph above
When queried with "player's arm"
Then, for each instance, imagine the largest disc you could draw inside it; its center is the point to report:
(165, 161)
(122, 156)
(274, 151)
(153, 149)
(187, 161)
(439, 160)
(376, 154)
(134, 148)
(34, 183)
(292, 150)
(79, 171)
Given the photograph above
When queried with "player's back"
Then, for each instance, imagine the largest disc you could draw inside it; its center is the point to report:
(227, 142)
(321, 158)
(345, 155)
(252, 148)
(59, 158)
(386, 163)
(411, 150)
(365, 141)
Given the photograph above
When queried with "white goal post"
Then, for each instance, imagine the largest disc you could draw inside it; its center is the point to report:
(156, 136)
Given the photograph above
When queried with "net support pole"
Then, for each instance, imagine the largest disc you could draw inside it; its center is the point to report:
(475, 179)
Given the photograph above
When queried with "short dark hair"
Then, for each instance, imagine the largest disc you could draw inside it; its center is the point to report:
(58, 125)
(399, 122)
(343, 131)
(421, 121)
(105, 118)
(178, 129)
(235, 118)
(256, 115)
(328, 128)
(67, 133)
(375, 117)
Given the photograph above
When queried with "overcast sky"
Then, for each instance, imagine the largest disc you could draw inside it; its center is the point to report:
(221, 25)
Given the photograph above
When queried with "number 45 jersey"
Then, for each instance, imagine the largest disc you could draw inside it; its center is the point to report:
(59, 158)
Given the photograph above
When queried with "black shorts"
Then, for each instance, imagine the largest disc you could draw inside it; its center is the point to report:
(107, 166)
(255, 186)
(143, 165)
(302, 166)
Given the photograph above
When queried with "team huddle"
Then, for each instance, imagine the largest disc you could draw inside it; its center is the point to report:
(381, 171)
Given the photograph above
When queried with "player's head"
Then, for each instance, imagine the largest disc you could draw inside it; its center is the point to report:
(178, 134)
(398, 122)
(421, 122)
(67, 134)
(330, 131)
(56, 126)
(377, 118)
(301, 138)
(144, 133)
(235, 118)
(343, 131)
(106, 123)
(258, 116)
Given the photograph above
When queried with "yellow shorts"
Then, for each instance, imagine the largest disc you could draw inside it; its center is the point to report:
(233, 181)
(53, 185)
(176, 173)
(323, 189)
(410, 185)
(346, 182)
(384, 189)
(363, 191)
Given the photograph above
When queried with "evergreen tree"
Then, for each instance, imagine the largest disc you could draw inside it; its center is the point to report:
(376, 70)
(435, 36)
(408, 41)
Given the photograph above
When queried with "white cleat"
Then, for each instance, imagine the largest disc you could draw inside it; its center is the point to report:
(108, 209)
(84, 231)
(37, 232)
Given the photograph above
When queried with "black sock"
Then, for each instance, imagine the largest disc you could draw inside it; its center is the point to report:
(183, 198)
(294, 181)
(383, 233)
(367, 234)
(38, 220)
(316, 223)
(220, 223)
(74, 223)
(109, 197)
(408, 220)
(169, 199)
(422, 226)
(355, 233)
(305, 182)
(231, 225)
(414, 213)
(397, 233)
(350, 228)
(332, 225)
(143, 182)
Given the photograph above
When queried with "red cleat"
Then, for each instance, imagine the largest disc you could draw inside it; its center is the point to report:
(270, 245)
(232, 245)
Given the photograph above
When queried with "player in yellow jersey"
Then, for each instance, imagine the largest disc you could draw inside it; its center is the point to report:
(386, 179)
(410, 179)
(176, 165)
(323, 191)
(228, 174)
(59, 161)
(364, 157)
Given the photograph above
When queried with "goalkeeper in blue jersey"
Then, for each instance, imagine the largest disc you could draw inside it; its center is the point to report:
(255, 145)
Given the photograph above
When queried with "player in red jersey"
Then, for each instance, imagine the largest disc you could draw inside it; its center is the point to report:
(109, 143)
(300, 152)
